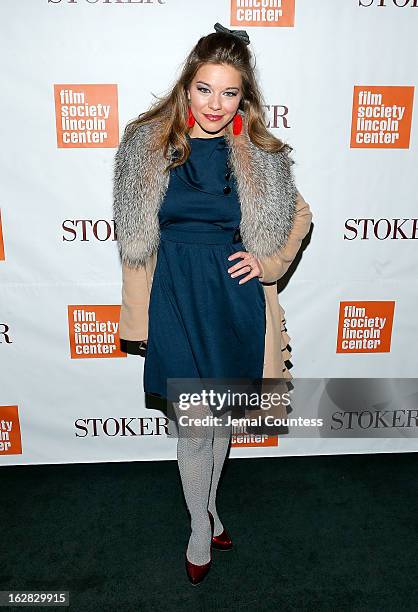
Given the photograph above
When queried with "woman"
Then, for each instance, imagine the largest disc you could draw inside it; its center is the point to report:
(208, 217)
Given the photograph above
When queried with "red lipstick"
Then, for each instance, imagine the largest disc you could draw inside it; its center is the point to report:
(213, 117)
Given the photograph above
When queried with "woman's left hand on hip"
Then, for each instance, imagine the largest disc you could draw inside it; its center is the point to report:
(249, 263)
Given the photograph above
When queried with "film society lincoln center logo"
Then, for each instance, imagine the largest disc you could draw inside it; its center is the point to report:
(365, 327)
(86, 116)
(10, 435)
(382, 117)
(263, 13)
(94, 331)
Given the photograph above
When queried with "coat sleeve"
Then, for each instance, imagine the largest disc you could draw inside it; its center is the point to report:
(136, 280)
(136, 289)
(276, 265)
(133, 324)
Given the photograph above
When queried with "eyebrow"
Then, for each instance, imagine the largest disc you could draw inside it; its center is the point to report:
(203, 83)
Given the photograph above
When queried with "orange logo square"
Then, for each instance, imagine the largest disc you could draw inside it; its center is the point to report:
(94, 331)
(246, 440)
(381, 117)
(365, 327)
(268, 13)
(10, 438)
(86, 116)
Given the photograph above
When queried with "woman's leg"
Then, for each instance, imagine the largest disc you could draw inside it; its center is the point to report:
(195, 461)
(221, 439)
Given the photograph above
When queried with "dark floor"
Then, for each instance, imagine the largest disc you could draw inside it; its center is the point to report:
(310, 533)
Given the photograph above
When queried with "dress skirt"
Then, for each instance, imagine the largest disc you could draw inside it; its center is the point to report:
(202, 322)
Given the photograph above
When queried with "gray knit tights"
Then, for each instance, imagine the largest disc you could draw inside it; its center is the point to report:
(201, 452)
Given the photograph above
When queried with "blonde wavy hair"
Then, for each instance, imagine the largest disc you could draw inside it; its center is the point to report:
(171, 110)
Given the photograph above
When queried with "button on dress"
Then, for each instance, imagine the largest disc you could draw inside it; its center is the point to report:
(201, 322)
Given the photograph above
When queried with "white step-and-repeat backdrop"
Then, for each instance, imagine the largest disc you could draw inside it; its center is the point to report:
(338, 79)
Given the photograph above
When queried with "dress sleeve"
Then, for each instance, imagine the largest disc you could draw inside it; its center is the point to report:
(276, 265)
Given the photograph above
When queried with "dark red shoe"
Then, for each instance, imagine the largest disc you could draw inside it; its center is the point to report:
(221, 541)
(196, 573)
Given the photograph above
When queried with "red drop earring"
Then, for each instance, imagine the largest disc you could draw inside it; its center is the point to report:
(190, 120)
(237, 124)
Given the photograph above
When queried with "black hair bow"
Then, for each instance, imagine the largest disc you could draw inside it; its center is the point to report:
(241, 34)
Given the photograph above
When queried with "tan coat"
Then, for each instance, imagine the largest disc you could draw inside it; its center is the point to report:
(137, 283)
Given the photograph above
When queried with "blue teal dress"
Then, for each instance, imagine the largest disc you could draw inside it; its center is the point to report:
(201, 322)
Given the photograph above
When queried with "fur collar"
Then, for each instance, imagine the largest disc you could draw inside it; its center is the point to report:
(265, 182)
